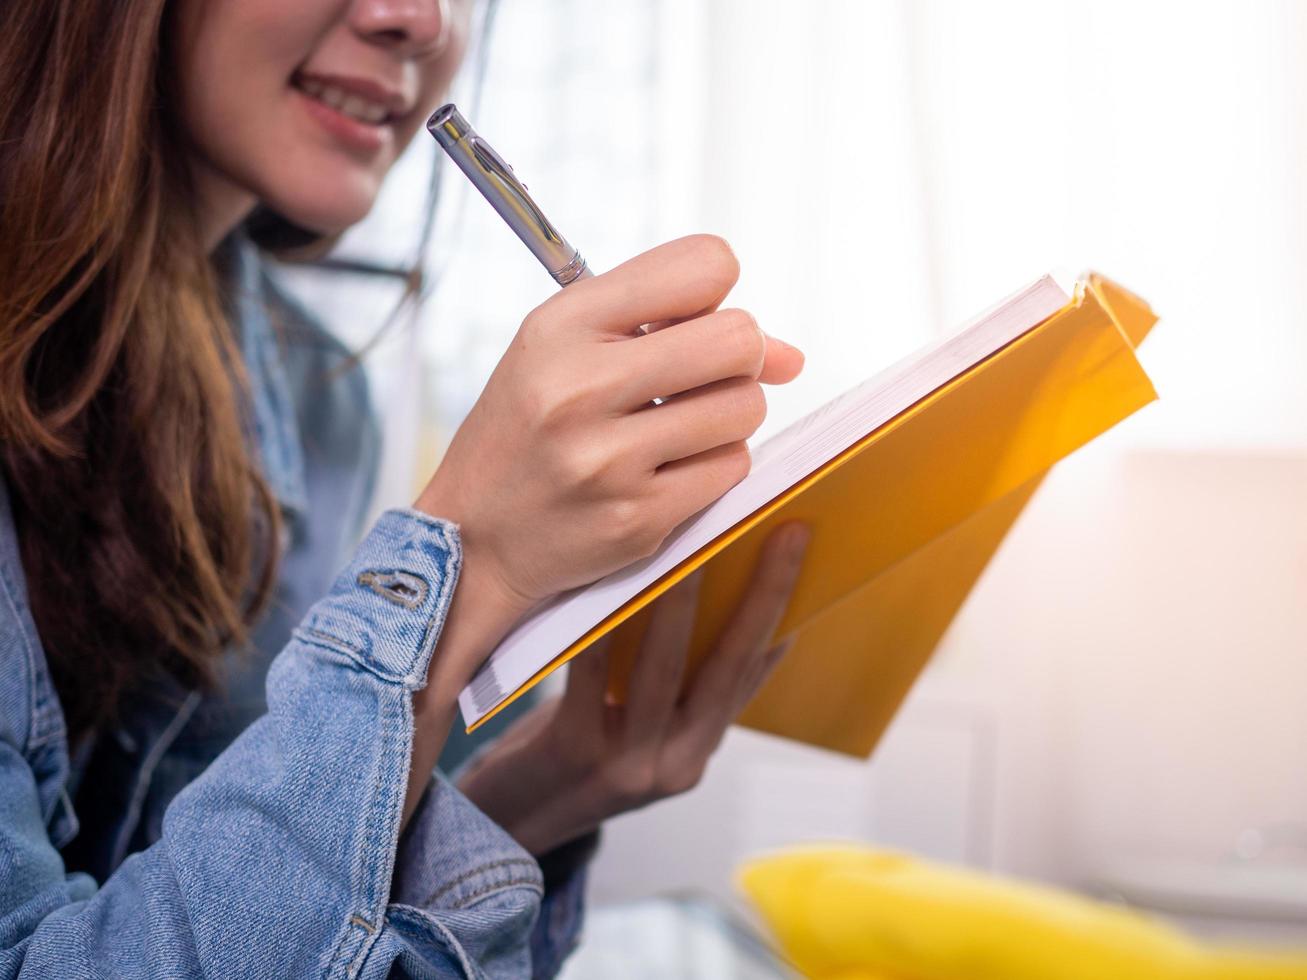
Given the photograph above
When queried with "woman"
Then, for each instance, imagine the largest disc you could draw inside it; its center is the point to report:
(185, 460)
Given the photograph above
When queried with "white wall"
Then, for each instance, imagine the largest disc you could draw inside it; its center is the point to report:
(1126, 686)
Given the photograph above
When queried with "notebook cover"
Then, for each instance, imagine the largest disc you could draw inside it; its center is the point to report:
(954, 468)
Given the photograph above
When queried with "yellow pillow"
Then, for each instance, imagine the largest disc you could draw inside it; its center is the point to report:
(845, 912)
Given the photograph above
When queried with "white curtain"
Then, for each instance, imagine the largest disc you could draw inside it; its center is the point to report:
(885, 169)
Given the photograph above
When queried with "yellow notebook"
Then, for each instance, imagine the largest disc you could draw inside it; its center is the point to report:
(909, 483)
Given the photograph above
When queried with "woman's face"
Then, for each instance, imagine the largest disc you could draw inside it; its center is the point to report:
(305, 104)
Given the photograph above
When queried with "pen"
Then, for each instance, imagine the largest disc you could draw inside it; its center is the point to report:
(499, 185)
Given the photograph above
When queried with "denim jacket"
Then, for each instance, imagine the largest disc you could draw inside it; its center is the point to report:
(256, 832)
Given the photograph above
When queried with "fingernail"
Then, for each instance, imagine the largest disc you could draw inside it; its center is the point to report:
(780, 343)
(797, 541)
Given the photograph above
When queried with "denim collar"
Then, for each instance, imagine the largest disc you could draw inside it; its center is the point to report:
(273, 419)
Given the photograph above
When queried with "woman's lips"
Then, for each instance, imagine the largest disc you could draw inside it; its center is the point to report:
(358, 112)
(356, 134)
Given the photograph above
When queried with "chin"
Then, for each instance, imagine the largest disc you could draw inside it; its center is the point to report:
(325, 209)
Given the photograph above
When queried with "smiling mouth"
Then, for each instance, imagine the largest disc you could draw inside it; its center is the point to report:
(358, 107)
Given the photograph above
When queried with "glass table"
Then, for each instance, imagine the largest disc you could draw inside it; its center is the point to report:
(686, 936)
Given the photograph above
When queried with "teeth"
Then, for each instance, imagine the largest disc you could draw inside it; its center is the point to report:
(352, 105)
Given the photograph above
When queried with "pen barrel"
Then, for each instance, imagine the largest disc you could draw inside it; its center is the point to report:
(500, 186)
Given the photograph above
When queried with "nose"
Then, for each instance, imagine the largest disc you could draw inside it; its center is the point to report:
(416, 28)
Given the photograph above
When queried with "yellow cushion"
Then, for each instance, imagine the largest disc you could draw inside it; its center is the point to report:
(845, 912)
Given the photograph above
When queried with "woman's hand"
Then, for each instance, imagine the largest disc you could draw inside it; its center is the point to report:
(571, 763)
(564, 471)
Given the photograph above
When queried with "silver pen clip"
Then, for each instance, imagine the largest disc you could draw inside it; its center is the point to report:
(499, 185)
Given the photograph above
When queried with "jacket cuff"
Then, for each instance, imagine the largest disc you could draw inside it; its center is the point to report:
(436, 870)
(482, 878)
(389, 604)
(562, 911)
(463, 883)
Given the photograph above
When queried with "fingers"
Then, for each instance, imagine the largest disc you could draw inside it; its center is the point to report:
(688, 485)
(587, 683)
(685, 425)
(722, 344)
(674, 280)
(739, 656)
(681, 356)
(758, 672)
(660, 668)
(781, 363)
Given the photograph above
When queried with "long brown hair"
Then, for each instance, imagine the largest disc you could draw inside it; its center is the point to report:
(146, 531)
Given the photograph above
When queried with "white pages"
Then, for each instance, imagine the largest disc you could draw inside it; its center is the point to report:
(778, 464)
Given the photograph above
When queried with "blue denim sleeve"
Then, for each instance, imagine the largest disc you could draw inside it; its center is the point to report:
(423, 888)
(280, 860)
(558, 927)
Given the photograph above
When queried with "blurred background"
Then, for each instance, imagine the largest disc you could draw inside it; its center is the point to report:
(1122, 705)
